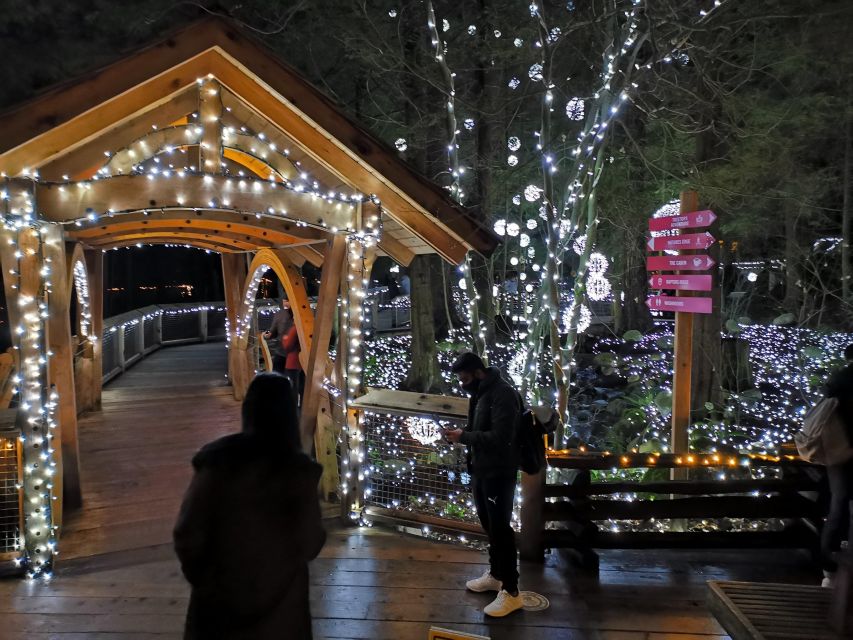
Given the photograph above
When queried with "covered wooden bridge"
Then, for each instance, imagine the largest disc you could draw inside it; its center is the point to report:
(204, 139)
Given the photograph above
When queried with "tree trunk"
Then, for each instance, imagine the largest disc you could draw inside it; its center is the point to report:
(424, 373)
(793, 273)
(634, 313)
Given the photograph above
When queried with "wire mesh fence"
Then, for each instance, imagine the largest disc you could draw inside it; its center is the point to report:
(10, 507)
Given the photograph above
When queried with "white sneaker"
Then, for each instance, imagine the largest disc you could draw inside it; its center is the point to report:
(504, 604)
(485, 582)
(828, 580)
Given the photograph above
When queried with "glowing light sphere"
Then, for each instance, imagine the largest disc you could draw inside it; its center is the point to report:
(512, 229)
(531, 253)
(401, 144)
(497, 33)
(469, 123)
(598, 288)
(556, 32)
(518, 42)
(500, 227)
(597, 263)
(513, 261)
(514, 144)
(532, 223)
(472, 30)
(575, 109)
(392, 13)
(514, 83)
(532, 193)
(445, 25)
(516, 199)
(584, 319)
(524, 240)
(462, 284)
(579, 245)
(425, 431)
(528, 288)
(535, 72)
(752, 276)
(512, 160)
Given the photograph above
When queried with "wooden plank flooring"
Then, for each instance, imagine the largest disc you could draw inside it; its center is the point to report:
(117, 576)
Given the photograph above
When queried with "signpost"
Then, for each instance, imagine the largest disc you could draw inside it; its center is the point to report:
(683, 304)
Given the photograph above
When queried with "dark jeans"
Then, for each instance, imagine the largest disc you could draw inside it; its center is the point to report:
(278, 363)
(494, 497)
(839, 522)
(296, 381)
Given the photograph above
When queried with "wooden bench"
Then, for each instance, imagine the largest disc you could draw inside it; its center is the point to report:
(755, 611)
(570, 515)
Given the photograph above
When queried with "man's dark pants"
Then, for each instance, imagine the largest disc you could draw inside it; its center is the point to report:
(494, 496)
(839, 522)
(278, 363)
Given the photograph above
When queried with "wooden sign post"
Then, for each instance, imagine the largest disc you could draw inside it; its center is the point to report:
(689, 218)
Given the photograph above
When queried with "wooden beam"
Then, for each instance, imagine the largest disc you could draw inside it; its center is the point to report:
(81, 162)
(134, 193)
(46, 129)
(95, 268)
(226, 241)
(233, 277)
(150, 145)
(261, 151)
(210, 121)
(61, 362)
(327, 304)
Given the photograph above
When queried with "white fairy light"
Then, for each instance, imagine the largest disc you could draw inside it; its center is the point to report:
(512, 160)
(532, 193)
(401, 144)
(575, 109)
(597, 263)
(513, 143)
(512, 229)
(500, 227)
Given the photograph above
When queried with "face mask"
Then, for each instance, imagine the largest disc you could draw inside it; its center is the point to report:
(472, 386)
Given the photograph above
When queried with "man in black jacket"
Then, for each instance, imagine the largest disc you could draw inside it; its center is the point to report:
(493, 412)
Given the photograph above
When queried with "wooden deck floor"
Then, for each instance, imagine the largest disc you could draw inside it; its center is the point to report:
(117, 576)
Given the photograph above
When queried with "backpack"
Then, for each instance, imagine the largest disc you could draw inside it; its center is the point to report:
(823, 438)
(529, 442)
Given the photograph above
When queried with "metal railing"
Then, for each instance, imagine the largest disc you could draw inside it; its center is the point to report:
(11, 478)
(131, 336)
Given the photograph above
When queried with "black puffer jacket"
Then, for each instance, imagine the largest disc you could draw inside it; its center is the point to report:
(490, 435)
(248, 527)
(840, 386)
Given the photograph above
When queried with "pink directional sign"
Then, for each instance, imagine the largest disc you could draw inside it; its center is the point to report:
(681, 283)
(693, 220)
(698, 262)
(679, 304)
(682, 242)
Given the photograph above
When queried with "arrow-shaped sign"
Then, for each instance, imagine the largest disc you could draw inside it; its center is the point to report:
(693, 220)
(679, 304)
(681, 283)
(682, 242)
(698, 262)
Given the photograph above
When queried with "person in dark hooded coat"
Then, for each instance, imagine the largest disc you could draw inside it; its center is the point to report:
(250, 523)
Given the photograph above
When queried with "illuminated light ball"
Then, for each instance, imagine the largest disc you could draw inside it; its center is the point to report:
(462, 284)
(535, 72)
(555, 34)
(598, 288)
(472, 30)
(392, 13)
(532, 193)
(575, 109)
(518, 42)
(512, 160)
(535, 267)
(513, 261)
(543, 212)
(513, 83)
(579, 245)
(469, 123)
(531, 253)
(752, 276)
(497, 33)
(566, 227)
(524, 240)
(516, 199)
(597, 264)
(445, 25)
(513, 229)
(424, 430)
(532, 223)
(401, 144)
(500, 227)
(534, 9)
(528, 288)
(522, 276)
(584, 319)
(514, 144)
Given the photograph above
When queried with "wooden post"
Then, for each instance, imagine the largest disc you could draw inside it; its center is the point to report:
(95, 267)
(233, 276)
(61, 363)
(532, 526)
(683, 364)
(120, 348)
(324, 319)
